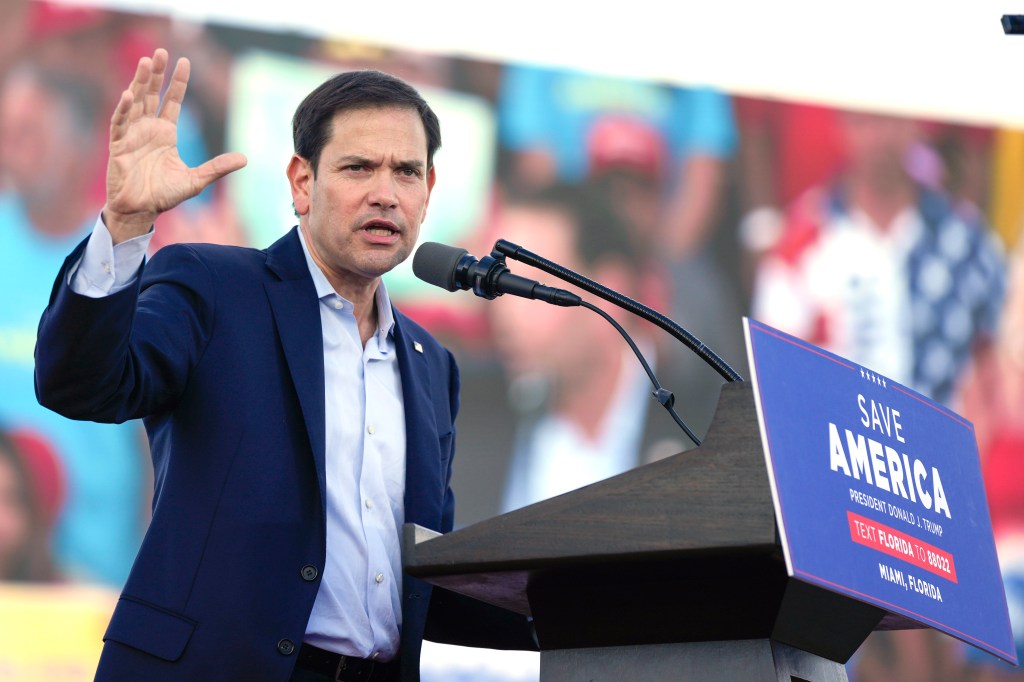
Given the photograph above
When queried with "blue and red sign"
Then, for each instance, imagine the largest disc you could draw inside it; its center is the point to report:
(878, 491)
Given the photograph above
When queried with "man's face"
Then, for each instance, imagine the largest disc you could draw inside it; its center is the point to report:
(878, 144)
(361, 214)
(32, 139)
(532, 337)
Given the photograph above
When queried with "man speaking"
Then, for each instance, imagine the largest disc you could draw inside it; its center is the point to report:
(296, 419)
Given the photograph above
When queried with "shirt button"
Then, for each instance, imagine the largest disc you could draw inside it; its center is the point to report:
(379, 578)
(369, 503)
(106, 268)
(285, 647)
(370, 429)
(337, 305)
(375, 655)
(309, 573)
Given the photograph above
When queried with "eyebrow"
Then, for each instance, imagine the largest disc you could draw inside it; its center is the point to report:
(364, 161)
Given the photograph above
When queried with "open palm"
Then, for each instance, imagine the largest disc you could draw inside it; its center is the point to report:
(145, 174)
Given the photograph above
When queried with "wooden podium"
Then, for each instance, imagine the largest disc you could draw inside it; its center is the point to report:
(670, 571)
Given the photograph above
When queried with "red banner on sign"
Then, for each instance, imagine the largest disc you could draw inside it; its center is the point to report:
(895, 543)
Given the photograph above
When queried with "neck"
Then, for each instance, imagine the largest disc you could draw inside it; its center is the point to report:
(585, 398)
(366, 318)
(882, 199)
(361, 292)
(364, 302)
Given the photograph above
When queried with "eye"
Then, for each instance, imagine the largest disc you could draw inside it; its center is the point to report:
(409, 172)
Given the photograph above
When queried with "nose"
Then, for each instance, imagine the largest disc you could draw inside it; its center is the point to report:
(383, 191)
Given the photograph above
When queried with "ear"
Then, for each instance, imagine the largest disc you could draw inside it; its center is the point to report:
(300, 179)
(431, 179)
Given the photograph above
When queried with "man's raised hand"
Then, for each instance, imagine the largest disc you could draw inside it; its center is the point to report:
(145, 174)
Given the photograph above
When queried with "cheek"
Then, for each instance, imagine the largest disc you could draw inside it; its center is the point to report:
(416, 201)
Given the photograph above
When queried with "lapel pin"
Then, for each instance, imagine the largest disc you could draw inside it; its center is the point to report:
(418, 346)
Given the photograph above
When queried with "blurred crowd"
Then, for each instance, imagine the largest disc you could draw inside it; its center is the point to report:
(891, 241)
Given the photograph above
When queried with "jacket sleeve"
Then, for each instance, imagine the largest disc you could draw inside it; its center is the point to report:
(129, 354)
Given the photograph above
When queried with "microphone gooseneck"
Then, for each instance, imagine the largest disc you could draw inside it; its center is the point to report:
(506, 248)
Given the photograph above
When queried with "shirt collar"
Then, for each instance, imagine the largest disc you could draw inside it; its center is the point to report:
(385, 315)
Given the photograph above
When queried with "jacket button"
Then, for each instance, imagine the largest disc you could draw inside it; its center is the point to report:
(309, 573)
(285, 647)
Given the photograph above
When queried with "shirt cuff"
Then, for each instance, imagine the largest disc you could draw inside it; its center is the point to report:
(105, 268)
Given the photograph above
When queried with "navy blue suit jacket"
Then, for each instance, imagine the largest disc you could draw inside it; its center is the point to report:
(219, 350)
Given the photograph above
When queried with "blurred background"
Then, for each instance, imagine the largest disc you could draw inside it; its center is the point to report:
(852, 177)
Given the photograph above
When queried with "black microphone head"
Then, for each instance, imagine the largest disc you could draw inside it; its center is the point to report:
(435, 264)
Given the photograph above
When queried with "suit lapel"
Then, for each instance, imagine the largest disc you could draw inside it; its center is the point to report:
(296, 310)
(424, 484)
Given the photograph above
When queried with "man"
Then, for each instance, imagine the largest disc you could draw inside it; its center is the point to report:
(583, 399)
(296, 420)
(882, 269)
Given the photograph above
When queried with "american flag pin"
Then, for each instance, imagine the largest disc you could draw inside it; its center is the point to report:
(418, 346)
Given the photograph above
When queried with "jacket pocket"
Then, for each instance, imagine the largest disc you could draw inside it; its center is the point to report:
(149, 629)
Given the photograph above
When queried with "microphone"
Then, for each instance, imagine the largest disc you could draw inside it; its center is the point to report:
(455, 269)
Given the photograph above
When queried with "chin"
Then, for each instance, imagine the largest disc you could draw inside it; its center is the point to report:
(377, 267)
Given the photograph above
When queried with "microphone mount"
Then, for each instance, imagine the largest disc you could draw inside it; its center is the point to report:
(482, 275)
(490, 277)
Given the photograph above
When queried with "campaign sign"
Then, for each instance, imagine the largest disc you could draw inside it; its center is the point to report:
(878, 491)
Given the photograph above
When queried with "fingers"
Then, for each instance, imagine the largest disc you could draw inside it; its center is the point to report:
(175, 91)
(119, 120)
(151, 100)
(138, 87)
(142, 98)
(146, 85)
(130, 106)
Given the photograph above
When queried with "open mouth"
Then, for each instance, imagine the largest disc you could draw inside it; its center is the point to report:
(381, 229)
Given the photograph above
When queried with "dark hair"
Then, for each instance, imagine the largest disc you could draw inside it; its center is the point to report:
(600, 231)
(311, 125)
